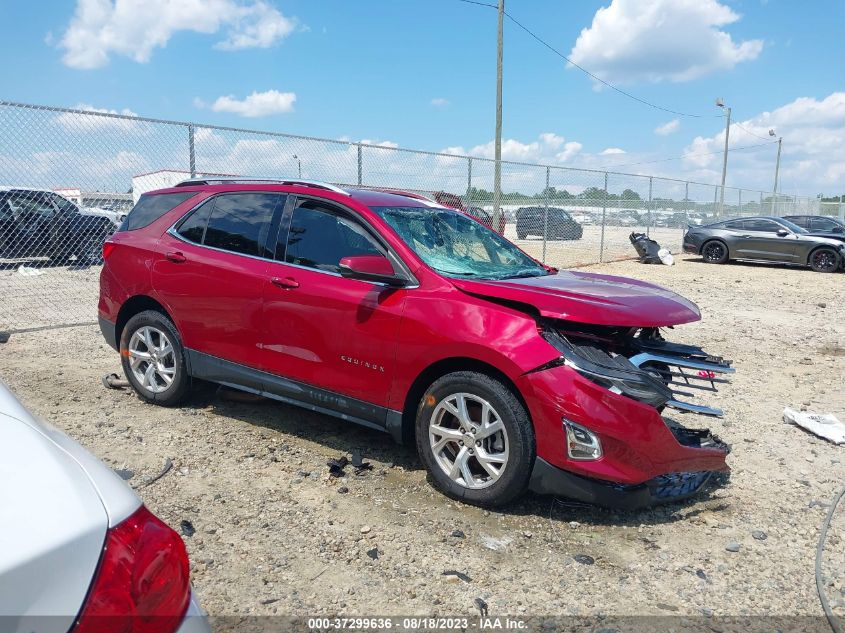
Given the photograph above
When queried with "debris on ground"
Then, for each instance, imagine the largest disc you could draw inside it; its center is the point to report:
(452, 574)
(343, 490)
(187, 528)
(29, 271)
(125, 474)
(759, 535)
(337, 465)
(826, 425)
(113, 381)
(733, 546)
(359, 464)
(482, 607)
(168, 464)
(584, 559)
(373, 553)
(4, 337)
(650, 251)
(458, 534)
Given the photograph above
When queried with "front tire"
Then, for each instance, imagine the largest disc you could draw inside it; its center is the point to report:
(714, 252)
(824, 260)
(153, 359)
(475, 438)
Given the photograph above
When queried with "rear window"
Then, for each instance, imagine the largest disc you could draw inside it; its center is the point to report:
(151, 207)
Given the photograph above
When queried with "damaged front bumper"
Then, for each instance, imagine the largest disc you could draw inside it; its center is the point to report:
(548, 479)
(614, 394)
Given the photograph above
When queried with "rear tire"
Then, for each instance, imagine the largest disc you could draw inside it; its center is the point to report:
(153, 359)
(715, 252)
(824, 260)
(490, 462)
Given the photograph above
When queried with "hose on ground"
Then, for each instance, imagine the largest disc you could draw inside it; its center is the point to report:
(831, 618)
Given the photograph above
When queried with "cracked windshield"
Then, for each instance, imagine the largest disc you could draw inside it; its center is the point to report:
(458, 246)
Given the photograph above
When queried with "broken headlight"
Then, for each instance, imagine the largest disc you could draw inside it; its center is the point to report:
(616, 373)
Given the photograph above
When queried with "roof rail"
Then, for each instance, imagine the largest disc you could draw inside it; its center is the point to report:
(190, 182)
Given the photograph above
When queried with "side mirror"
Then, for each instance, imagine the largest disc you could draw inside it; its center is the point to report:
(375, 268)
(782, 233)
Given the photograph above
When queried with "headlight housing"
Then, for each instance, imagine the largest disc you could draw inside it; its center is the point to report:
(615, 373)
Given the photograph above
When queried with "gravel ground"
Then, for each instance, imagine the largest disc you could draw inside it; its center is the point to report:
(274, 534)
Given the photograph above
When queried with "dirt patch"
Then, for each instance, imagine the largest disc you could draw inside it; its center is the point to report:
(274, 533)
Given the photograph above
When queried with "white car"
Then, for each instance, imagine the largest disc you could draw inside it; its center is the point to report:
(78, 550)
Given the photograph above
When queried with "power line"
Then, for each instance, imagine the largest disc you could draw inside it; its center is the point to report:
(584, 70)
(663, 160)
(750, 132)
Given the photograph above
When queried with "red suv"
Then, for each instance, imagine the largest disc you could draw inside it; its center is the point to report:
(415, 320)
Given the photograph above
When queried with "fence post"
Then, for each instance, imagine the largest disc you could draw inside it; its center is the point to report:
(546, 213)
(360, 165)
(686, 213)
(715, 198)
(740, 202)
(648, 226)
(469, 181)
(192, 157)
(841, 208)
(760, 211)
(603, 220)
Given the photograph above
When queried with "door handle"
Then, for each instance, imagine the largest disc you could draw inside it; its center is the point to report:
(285, 282)
(176, 257)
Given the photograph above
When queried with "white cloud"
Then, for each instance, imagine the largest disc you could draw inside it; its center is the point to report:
(440, 102)
(813, 157)
(548, 148)
(134, 28)
(648, 41)
(670, 127)
(72, 121)
(610, 151)
(257, 104)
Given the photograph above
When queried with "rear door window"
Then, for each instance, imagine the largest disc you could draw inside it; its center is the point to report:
(240, 222)
(151, 207)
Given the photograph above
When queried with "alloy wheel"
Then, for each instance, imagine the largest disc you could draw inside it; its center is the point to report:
(468, 440)
(714, 252)
(152, 359)
(824, 260)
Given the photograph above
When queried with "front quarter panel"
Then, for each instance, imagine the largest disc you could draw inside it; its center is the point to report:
(444, 323)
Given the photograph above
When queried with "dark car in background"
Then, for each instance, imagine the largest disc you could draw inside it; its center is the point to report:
(764, 239)
(452, 201)
(557, 225)
(38, 223)
(818, 223)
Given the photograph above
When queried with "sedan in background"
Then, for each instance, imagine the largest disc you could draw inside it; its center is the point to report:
(764, 239)
(39, 223)
(818, 223)
(549, 222)
(78, 550)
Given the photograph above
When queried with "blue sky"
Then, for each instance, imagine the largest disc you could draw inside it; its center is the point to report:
(421, 75)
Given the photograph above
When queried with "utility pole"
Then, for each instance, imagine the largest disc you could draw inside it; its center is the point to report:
(721, 104)
(497, 173)
(777, 173)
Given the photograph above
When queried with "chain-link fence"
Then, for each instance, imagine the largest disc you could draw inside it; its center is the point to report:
(68, 177)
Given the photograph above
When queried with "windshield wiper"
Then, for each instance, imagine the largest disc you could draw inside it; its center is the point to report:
(521, 274)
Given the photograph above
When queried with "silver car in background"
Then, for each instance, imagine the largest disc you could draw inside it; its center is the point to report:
(78, 550)
(767, 239)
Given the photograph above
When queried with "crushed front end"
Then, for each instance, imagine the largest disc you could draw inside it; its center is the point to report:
(605, 435)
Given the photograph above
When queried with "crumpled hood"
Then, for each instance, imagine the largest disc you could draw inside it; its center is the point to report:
(590, 298)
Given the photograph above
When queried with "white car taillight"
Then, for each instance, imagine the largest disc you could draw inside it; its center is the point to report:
(141, 584)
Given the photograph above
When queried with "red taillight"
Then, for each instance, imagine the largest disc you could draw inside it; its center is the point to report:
(141, 584)
(108, 247)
